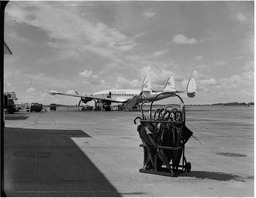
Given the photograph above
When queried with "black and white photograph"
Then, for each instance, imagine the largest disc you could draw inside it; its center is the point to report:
(127, 98)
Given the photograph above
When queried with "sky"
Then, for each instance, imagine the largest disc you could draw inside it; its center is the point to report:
(88, 46)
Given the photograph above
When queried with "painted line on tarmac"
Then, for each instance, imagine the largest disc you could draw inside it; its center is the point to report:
(51, 118)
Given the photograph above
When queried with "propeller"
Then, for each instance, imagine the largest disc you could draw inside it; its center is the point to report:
(79, 103)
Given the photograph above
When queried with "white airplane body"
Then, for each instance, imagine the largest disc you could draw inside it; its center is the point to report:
(132, 97)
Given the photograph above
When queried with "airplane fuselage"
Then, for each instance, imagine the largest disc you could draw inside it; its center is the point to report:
(123, 95)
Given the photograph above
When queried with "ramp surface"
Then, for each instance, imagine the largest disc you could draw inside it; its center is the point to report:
(72, 153)
(48, 163)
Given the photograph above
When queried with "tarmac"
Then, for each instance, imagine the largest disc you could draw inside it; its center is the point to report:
(97, 154)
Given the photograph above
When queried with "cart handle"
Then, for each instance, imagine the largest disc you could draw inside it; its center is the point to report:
(141, 109)
(157, 97)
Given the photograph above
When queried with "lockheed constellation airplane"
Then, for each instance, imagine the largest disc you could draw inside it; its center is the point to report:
(131, 97)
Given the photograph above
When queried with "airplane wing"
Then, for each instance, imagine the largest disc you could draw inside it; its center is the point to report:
(88, 98)
(117, 100)
(65, 94)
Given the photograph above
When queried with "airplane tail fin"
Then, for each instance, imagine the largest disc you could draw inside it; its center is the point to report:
(146, 84)
(170, 85)
(191, 88)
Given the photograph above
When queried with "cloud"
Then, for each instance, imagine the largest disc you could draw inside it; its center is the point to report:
(197, 74)
(149, 14)
(87, 74)
(233, 84)
(125, 45)
(124, 83)
(30, 90)
(48, 81)
(248, 42)
(73, 30)
(160, 53)
(208, 82)
(181, 39)
(91, 78)
(240, 87)
(158, 74)
(245, 79)
(241, 18)
(220, 63)
(139, 35)
(14, 35)
(249, 66)
(198, 57)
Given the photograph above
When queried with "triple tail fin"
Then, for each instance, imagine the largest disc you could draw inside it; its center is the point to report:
(146, 84)
(170, 85)
(191, 88)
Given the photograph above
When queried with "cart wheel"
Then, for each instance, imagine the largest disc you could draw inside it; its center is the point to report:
(188, 167)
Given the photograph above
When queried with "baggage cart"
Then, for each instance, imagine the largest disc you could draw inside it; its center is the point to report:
(164, 135)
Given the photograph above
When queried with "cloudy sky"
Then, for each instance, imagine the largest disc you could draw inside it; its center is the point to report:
(92, 46)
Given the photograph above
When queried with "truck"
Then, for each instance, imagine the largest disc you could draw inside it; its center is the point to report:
(9, 105)
(36, 107)
(53, 107)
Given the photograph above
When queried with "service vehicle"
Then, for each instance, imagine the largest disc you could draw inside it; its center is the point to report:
(35, 107)
(53, 107)
(10, 97)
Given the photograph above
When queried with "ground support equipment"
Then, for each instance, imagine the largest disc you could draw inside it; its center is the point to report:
(164, 135)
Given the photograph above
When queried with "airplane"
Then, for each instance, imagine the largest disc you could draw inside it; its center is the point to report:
(131, 97)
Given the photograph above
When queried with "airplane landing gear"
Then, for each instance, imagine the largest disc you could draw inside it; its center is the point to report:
(107, 107)
(120, 107)
(102, 106)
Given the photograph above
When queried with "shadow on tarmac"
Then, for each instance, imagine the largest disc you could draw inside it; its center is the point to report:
(16, 116)
(213, 175)
(43, 163)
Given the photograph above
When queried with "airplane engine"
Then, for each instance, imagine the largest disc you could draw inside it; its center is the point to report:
(84, 100)
(106, 105)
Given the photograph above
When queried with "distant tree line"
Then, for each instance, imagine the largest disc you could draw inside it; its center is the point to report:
(235, 104)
